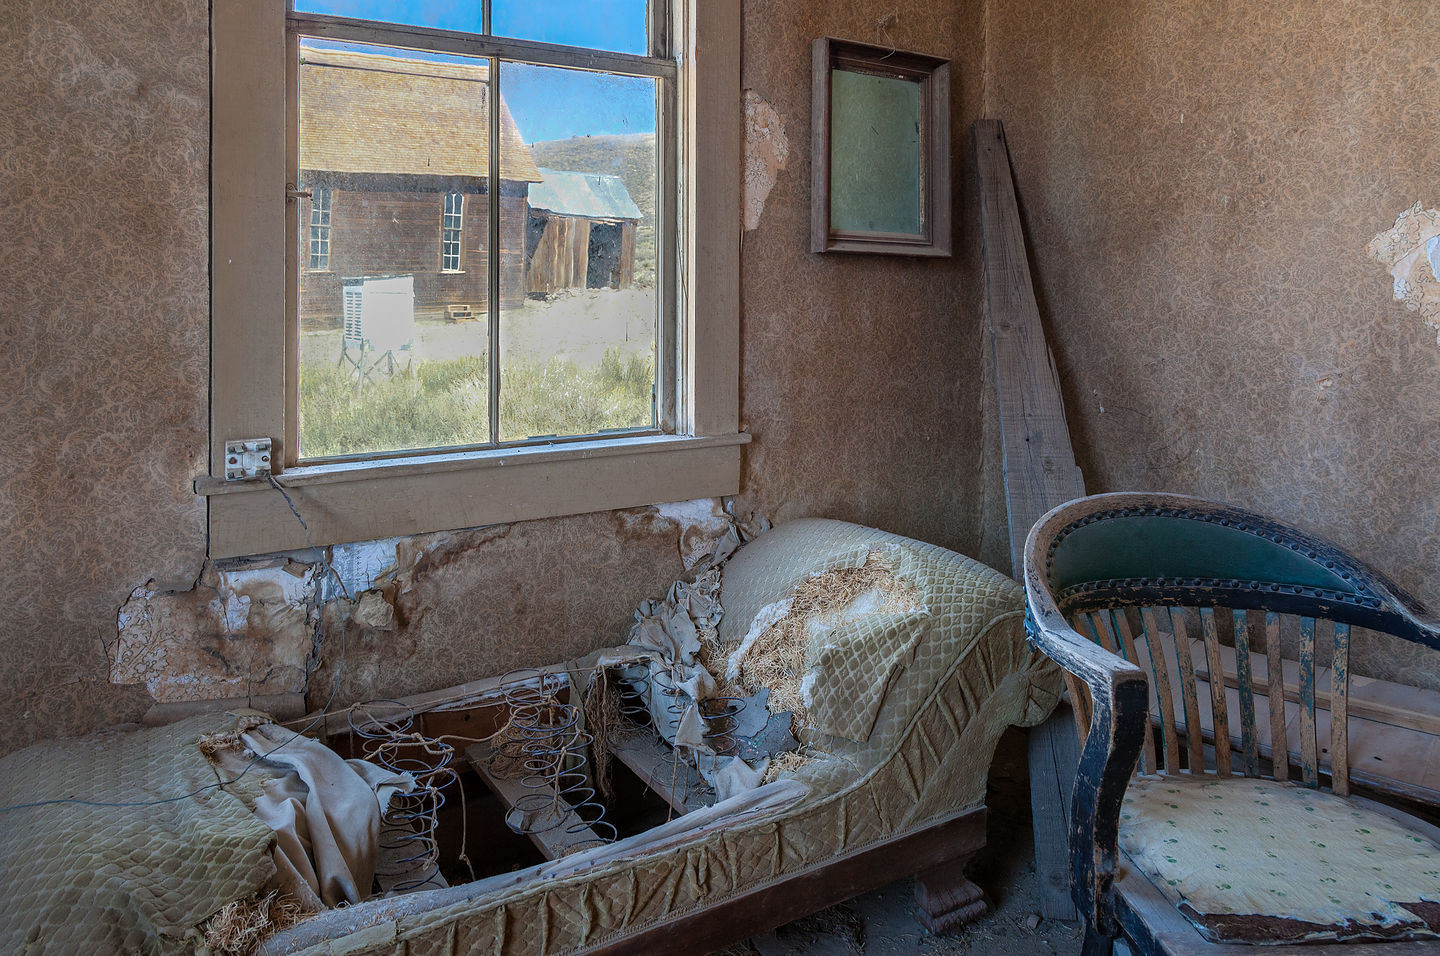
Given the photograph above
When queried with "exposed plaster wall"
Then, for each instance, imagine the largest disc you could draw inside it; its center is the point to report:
(861, 384)
(862, 375)
(1200, 185)
(104, 332)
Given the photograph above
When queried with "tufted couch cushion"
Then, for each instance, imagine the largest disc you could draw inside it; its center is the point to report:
(1258, 861)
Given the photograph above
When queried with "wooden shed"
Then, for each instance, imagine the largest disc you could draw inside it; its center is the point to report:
(581, 233)
(395, 155)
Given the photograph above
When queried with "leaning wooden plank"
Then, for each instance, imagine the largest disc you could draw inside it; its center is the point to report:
(1040, 470)
(659, 769)
(558, 829)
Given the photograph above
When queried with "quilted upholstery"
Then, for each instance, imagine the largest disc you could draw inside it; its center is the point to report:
(971, 674)
(105, 879)
(1250, 860)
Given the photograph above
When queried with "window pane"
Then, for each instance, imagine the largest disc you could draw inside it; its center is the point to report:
(443, 14)
(394, 150)
(578, 326)
(617, 25)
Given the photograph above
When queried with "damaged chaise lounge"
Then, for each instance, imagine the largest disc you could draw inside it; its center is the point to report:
(816, 712)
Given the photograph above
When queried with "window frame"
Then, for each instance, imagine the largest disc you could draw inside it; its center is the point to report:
(446, 230)
(254, 220)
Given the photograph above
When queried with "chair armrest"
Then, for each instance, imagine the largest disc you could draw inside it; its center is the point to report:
(1120, 700)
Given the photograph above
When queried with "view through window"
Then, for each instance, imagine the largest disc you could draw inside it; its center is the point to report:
(469, 275)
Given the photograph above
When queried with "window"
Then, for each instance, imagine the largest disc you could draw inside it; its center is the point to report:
(585, 359)
(320, 228)
(450, 225)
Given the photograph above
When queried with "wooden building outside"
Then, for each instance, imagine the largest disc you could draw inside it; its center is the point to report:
(581, 233)
(395, 156)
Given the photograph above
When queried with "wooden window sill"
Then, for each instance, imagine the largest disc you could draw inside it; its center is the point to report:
(364, 500)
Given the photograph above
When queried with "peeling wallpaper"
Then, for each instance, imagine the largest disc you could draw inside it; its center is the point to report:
(1200, 185)
(861, 383)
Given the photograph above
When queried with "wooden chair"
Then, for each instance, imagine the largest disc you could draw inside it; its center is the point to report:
(1198, 851)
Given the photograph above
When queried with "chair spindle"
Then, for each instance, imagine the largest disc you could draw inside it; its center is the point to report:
(1153, 644)
(1188, 689)
(1219, 716)
(1104, 622)
(1340, 712)
(1275, 695)
(1248, 625)
(1309, 759)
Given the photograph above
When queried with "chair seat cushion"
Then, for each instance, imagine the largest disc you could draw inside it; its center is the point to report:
(1250, 860)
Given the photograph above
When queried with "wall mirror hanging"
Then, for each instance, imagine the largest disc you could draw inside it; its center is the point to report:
(881, 170)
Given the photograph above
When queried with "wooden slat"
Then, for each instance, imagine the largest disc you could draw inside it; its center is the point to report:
(1219, 717)
(1193, 730)
(1040, 470)
(1161, 670)
(1340, 712)
(658, 768)
(1275, 675)
(1105, 622)
(1246, 624)
(1309, 758)
(560, 834)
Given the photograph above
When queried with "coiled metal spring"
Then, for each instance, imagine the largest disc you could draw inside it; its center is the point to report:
(409, 853)
(722, 716)
(545, 747)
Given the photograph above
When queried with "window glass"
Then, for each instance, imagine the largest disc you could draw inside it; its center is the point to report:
(320, 228)
(451, 227)
(579, 310)
(393, 339)
(616, 25)
(465, 15)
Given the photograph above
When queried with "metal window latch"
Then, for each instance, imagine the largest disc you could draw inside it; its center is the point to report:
(247, 458)
(292, 193)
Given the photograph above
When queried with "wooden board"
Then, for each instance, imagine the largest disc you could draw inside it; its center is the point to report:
(656, 766)
(1040, 470)
(558, 836)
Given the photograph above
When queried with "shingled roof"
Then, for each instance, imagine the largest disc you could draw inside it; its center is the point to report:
(586, 195)
(368, 113)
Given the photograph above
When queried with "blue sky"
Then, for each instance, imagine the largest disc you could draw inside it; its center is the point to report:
(547, 103)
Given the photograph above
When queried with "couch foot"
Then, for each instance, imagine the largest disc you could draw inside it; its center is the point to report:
(947, 899)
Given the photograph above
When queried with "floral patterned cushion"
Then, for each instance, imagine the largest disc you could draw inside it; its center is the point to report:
(1251, 860)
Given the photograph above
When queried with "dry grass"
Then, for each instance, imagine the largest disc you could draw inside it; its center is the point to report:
(239, 928)
(778, 659)
(787, 762)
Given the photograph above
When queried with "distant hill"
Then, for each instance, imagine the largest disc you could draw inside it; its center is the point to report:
(631, 156)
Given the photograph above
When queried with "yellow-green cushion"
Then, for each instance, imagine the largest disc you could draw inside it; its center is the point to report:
(1250, 860)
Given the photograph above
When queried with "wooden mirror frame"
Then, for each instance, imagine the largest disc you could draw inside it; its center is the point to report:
(933, 74)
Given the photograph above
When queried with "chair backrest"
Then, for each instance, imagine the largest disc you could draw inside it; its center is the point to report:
(1201, 595)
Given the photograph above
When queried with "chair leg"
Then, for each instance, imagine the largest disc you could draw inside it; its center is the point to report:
(947, 899)
(1096, 943)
